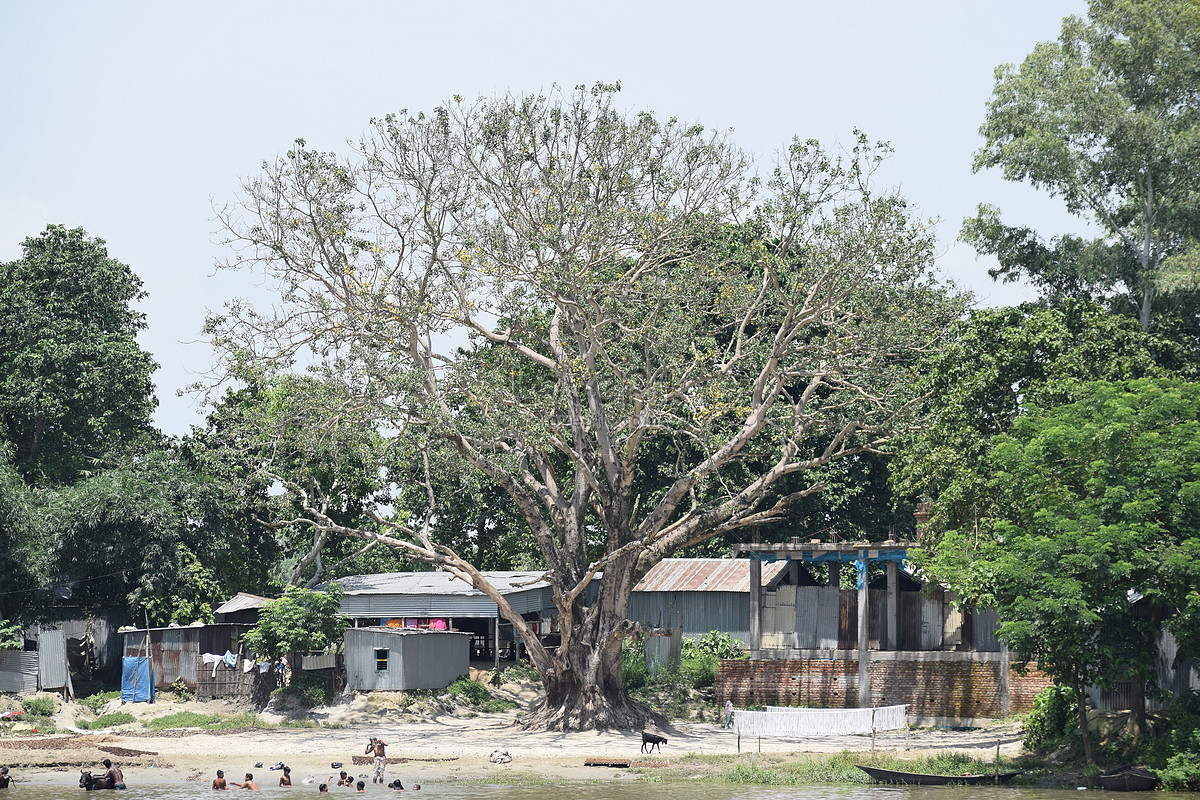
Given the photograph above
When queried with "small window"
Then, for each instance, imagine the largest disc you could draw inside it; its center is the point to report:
(381, 660)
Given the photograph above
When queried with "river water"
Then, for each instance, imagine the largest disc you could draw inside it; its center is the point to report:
(623, 790)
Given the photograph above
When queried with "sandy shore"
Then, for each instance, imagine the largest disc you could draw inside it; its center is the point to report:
(441, 749)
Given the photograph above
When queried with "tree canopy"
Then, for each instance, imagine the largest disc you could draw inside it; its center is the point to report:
(74, 384)
(1095, 510)
(1107, 118)
(302, 619)
(607, 316)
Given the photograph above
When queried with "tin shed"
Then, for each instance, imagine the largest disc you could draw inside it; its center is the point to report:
(700, 595)
(398, 659)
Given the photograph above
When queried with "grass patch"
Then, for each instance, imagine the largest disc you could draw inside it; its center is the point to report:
(777, 769)
(217, 722)
(39, 706)
(106, 721)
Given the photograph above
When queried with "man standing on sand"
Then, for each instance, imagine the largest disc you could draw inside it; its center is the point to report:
(5, 780)
(728, 714)
(219, 781)
(377, 746)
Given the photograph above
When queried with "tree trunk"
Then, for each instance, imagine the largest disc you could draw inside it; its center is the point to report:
(584, 690)
(1089, 747)
(1137, 704)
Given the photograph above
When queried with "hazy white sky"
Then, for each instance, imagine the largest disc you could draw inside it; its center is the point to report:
(134, 119)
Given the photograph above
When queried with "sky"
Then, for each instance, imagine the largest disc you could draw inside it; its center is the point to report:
(138, 120)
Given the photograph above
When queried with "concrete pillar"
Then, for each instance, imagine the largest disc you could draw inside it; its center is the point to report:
(755, 606)
(864, 636)
(893, 606)
(1005, 698)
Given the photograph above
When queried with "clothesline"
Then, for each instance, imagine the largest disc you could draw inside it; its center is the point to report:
(230, 660)
(806, 722)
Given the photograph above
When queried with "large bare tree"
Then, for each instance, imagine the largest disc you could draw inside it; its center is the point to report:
(610, 316)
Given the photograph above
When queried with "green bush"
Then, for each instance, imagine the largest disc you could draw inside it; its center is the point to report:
(1176, 756)
(634, 674)
(1052, 719)
(714, 644)
(310, 690)
(39, 706)
(96, 701)
(473, 692)
(106, 721)
(182, 691)
(521, 671)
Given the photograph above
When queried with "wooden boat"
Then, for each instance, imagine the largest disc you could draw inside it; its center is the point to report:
(920, 779)
(1129, 779)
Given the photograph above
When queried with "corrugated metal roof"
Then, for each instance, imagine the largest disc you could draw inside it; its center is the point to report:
(706, 575)
(438, 583)
(241, 602)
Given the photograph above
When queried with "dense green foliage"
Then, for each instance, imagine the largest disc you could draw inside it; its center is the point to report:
(1092, 535)
(74, 384)
(300, 620)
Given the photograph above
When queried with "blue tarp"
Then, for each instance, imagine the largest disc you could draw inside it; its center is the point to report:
(137, 680)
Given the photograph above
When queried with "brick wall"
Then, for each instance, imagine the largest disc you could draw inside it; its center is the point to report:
(950, 689)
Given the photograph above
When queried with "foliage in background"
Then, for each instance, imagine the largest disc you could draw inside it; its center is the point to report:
(1092, 542)
(1107, 118)
(12, 636)
(997, 364)
(302, 619)
(75, 385)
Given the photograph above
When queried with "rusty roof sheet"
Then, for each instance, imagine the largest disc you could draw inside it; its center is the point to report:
(706, 575)
(242, 601)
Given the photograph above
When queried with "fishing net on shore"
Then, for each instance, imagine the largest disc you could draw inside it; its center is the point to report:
(799, 723)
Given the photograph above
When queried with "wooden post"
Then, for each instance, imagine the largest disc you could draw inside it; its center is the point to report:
(755, 606)
(864, 634)
(496, 641)
(893, 606)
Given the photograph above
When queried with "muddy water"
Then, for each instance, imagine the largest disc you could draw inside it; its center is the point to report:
(597, 791)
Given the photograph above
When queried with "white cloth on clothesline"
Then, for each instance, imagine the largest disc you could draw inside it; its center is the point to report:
(805, 722)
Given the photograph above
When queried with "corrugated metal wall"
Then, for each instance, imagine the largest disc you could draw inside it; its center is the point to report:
(427, 660)
(19, 671)
(696, 613)
(52, 660)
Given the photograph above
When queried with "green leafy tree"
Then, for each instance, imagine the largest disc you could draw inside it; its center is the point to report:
(1092, 539)
(301, 619)
(592, 269)
(74, 384)
(1107, 118)
(23, 551)
(156, 536)
(998, 364)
